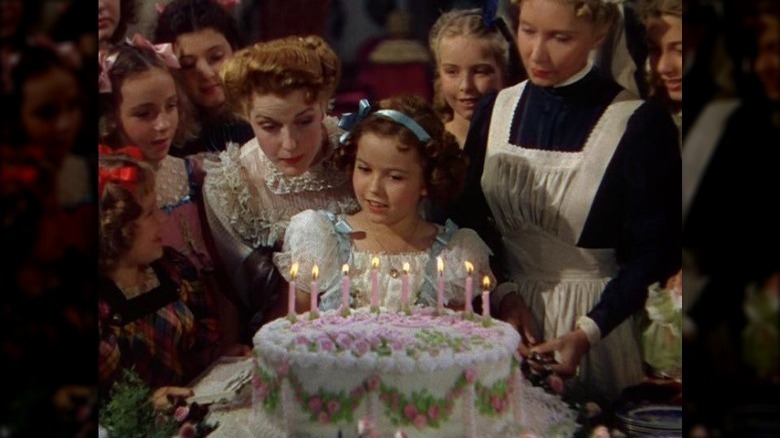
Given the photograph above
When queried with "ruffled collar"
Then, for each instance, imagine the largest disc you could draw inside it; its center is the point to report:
(320, 176)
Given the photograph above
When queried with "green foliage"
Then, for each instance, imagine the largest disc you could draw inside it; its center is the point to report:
(129, 412)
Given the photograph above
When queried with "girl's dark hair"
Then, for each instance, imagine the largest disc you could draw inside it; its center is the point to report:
(444, 163)
(33, 61)
(131, 61)
(187, 16)
(128, 14)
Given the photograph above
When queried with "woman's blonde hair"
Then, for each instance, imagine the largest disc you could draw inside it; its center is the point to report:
(470, 23)
(280, 67)
(602, 14)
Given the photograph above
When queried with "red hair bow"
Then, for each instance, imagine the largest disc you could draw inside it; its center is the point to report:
(125, 176)
(131, 151)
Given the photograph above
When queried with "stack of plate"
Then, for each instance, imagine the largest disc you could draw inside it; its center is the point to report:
(652, 420)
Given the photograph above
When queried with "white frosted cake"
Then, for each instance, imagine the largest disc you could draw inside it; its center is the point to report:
(422, 374)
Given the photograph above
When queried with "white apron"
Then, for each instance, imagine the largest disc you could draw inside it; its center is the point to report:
(540, 200)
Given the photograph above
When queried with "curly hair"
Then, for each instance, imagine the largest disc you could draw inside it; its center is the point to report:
(464, 22)
(119, 207)
(656, 8)
(280, 67)
(600, 13)
(188, 16)
(444, 163)
(131, 61)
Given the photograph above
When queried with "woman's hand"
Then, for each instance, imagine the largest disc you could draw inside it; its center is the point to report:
(570, 347)
(168, 396)
(515, 312)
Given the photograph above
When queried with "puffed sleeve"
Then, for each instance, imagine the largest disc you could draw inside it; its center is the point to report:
(464, 245)
(309, 240)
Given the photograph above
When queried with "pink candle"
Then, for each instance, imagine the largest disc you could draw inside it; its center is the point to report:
(469, 286)
(291, 290)
(440, 285)
(405, 287)
(374, 283)
(344, 287)
(314, 290)
(486, 296)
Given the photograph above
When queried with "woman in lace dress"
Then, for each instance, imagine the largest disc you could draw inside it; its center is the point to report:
(577, 190)
(398, 156)
(282, 89)
(145, 109)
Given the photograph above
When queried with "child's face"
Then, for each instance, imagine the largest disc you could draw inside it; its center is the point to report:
(767, 63)
(201, 54)
(468, 69)
(149, 112)
(147, 245)
(664, 35)
(388, 182)
(51, 111)
(108, 18)
(288, 129)
(554, 44)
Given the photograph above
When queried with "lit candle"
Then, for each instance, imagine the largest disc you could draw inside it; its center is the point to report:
(440, 285)
(405, 289)
(486, 296)
(291, 292)
(344, 288)
(469, 287)
(314, 291)
(374, 284)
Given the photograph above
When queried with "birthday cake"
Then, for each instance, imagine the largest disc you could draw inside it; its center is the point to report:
(423, 374)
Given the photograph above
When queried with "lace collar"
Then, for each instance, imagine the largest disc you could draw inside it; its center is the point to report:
(320, 176)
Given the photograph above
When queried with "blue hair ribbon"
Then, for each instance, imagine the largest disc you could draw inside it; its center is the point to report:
(348, 121)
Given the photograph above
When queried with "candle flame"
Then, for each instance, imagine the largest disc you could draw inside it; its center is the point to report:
(375, 262)
(406, 267)
(439, 264)
(469, 267)
(486, 283)
(294, 271)
(315, 272)
(345, 269)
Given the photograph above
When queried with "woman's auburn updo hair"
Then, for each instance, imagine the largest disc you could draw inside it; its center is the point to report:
(119, 206)
(444, 163)
(280, 67)
(600, 13)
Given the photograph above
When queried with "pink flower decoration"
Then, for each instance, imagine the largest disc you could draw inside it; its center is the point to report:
(163, 51)
(372, 383)
(410, 411)
(323, 417)
(315, 403)
(497, 403)
(344, 341)
(420, 421)
(470, 375)
(333, 406)
(360, 348)
(302, 340)
(433, 412)
(181, 413)
(357, 392)
(187, 430)
(284, 369)
(326, 345)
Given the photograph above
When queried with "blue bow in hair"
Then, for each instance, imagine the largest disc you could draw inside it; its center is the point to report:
(348, 121)
(489, 10)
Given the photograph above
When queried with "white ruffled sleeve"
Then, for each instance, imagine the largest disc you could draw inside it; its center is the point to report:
(311, 240)
(465, 245)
